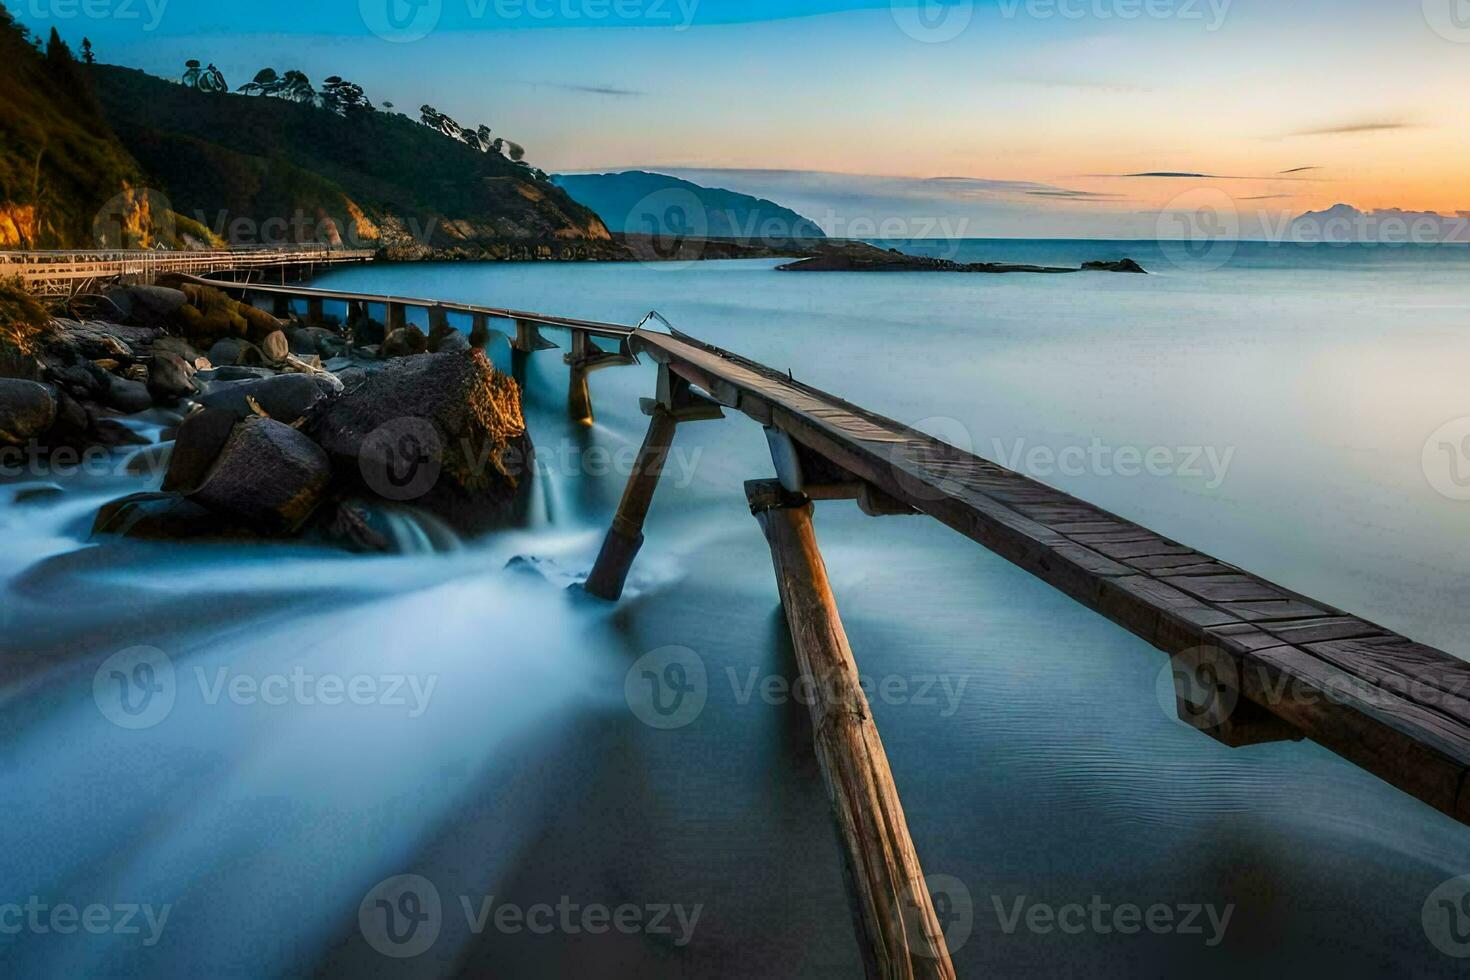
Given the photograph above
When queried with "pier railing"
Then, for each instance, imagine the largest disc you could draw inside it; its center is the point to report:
(64, 273)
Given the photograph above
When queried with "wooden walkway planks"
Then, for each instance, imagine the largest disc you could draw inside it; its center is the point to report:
(595, 328)
(1395, 707)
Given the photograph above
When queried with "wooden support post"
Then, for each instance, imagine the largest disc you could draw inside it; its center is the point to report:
(397, 318)
(579, 394)
(625, 536)
(438, 326)
(527, 341)
(281, 305)
(897, 926)
(480, 331)
(314, 312)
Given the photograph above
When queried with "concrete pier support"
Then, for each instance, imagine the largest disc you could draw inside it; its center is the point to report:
(397, 318)
(527, 341)
(625, 536)
(897, 927)
(280, 305)
(314, 313)
(480, 331)
(579, 393)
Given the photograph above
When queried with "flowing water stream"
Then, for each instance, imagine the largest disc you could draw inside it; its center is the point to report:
(322, 722)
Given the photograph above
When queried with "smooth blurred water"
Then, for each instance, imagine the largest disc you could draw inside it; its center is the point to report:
(1027, 735)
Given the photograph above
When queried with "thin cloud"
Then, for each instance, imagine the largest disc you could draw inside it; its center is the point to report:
(609, 90)
(1190, 175)
(1348, 129)
(1298, 170)
(1075, 195)
(1268, 197)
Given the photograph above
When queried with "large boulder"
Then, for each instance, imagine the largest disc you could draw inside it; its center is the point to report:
(275, 347)
(285, 398)
(163, 517)
(170, 378)
(197, 444)
(268, 476)
(442, 431)
(159, 300)
(127, 396)
(27, 410)
(234, 351)
(178, 345)
(405, 341)
(452, 342)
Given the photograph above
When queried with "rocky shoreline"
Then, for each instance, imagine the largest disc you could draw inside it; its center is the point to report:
(862, 257)
(273, 428)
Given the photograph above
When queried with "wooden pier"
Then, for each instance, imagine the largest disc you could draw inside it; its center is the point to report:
(522, 328)
(1253, 661)
(66, 273)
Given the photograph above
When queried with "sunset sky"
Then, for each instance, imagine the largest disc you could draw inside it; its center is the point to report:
(1034, 113)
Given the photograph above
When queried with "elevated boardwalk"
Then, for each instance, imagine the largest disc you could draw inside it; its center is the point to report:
(1252, 661)
(65, 273)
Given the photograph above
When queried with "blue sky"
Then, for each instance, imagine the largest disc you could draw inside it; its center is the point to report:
(1039, 109)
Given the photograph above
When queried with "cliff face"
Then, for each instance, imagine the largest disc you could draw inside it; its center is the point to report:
(263, 171)
(65, 181)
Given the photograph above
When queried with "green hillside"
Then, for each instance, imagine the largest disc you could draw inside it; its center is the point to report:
(262, 170)
(59, 162)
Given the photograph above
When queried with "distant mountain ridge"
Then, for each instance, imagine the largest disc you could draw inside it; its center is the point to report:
(1345, 224)
(643, 203)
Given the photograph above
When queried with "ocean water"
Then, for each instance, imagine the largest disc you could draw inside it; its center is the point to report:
(1296, 405)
